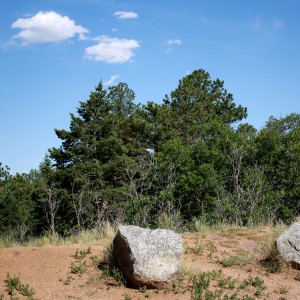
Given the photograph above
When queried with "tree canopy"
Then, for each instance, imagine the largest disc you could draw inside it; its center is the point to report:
(144, 164)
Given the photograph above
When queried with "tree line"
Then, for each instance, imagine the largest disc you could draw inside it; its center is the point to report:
(188, 158)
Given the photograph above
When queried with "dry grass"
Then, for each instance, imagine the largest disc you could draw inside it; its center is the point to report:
(105, 231)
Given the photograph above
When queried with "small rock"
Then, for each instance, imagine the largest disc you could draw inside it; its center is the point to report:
(288, 244)
(147, 257)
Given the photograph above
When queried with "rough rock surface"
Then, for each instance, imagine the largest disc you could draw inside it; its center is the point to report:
(147, 257)
(288, 244)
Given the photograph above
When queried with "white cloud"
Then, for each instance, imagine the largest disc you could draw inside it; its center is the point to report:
(111, 80)
(173, 42)
(45, 27)
(112, 50)
(126, 15)
(266, 28)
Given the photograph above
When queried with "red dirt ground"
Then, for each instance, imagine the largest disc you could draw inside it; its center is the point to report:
(48, 269)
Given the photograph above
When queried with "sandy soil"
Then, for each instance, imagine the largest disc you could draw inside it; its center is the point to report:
(48, 269)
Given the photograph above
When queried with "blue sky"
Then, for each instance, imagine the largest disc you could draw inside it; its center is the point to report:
(54, 52)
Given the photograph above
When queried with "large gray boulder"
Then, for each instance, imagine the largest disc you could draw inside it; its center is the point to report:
(147, 257)
(288, 244)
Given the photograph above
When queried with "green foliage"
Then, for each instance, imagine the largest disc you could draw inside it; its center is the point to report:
(255, 282)
(14, 285)
(79, 267)
(214, 285)
(200, 286)
(278, 146)
(17, 206)
(116, 274)
(157, 165)
(197, 249)
(80, 254)
(197, 101)
(4, 174)
(239, 260)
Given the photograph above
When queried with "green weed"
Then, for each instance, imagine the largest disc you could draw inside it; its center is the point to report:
(14, 285)
(79, 267)
(212, 285)
(197, 250)
(212, 249)
(239, 260)
(200, 286)
(256, 282)
(234, 296)
(227, 282)
(82, 253)
(116, 274)
(95, 260)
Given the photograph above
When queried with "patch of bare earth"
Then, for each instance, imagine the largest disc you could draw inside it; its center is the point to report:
(235, 251)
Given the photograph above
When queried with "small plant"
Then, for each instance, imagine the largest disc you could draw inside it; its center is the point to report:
(95, 260)
(127, 297)
(14, 284)
(297, 277)
(112, 272)
(79, 267)
(232, 297)
(175, 287)
(82, 253)
(212, 248)
(213, 284)
(117, 275)
(227, 282)
(228, 261)
(68, 280)
(197, 250)
(200, 286)
(240, 260)
(283, 289)
(256, 282)
(25, 290)
(95, 278)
